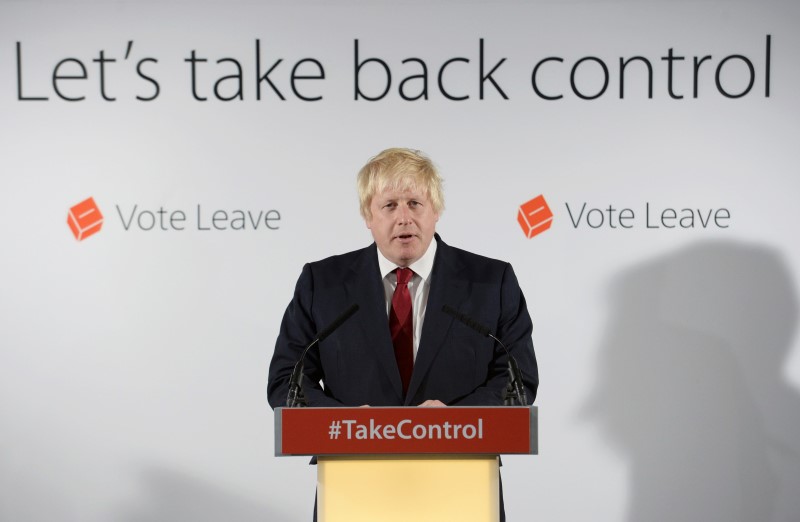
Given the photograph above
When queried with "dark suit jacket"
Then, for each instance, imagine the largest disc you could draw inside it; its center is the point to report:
(356, 363)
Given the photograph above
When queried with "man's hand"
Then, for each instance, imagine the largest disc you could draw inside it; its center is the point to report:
(432, 403)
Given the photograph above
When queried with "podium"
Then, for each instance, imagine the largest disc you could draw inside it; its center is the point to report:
(406, 464)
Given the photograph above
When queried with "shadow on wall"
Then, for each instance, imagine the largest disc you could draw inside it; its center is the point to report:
(174, 497)
(690, 386)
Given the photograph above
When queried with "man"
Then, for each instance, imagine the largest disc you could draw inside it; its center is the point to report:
(445, 362)
(400, 349)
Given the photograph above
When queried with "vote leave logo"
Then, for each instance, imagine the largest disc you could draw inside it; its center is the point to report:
(85, 219)
(534, 216)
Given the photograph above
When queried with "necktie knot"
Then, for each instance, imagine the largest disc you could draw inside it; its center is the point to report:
(404, 275)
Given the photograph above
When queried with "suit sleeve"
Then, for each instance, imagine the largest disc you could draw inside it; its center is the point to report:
(298, 328)
(514, 328)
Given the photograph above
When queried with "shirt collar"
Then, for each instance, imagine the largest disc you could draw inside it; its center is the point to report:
(422, 266)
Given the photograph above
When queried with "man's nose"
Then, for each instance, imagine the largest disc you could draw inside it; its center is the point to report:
(403, 215)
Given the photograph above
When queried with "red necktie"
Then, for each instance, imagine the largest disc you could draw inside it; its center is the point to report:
(401, 326)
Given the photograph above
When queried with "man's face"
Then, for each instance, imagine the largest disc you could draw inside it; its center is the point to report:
(402, 224)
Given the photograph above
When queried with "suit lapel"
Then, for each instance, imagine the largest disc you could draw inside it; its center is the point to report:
(446, 289)
(364, 282)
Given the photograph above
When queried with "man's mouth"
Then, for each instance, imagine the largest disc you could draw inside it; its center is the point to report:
(404, 237)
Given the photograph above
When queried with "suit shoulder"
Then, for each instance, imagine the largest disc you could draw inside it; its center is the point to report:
(472, 259)
(341, 262)
(474, 267)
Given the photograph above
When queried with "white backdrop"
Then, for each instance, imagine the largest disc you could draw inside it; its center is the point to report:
(133, 363)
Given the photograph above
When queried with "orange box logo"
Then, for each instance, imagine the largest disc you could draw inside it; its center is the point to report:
(85, 219)
(534, 216)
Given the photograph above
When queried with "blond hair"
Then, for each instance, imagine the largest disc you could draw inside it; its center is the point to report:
(399, 169)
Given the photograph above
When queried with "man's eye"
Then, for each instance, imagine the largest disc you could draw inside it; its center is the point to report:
(414, 203)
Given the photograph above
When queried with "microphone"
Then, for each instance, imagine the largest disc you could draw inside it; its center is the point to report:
(296, 398)
(515, 391)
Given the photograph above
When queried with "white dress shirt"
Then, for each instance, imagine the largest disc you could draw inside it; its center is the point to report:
(419, 287)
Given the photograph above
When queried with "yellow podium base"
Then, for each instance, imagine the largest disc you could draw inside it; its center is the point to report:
(460, 488)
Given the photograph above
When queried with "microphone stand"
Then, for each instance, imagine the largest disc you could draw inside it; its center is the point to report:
(296, 397)
(515, 390)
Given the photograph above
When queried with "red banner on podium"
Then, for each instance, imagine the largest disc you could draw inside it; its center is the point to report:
(455, 430)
